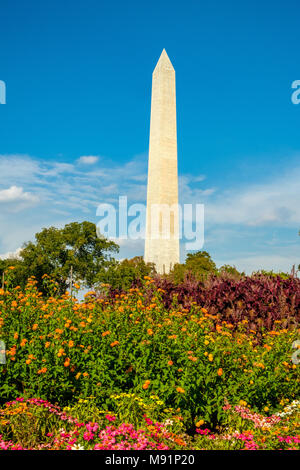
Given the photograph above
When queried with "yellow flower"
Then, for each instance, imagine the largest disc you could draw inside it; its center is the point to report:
(199, 423)
(210, 357)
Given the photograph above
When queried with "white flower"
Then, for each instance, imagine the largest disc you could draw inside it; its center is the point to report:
(77, 447)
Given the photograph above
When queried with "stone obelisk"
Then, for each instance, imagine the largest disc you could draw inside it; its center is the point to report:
(162, 225)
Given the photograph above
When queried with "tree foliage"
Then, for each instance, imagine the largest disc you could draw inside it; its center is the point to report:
(197, 265)
(122, 274)
(54, 251)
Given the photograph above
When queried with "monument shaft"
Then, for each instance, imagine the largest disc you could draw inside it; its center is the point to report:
(162, 224)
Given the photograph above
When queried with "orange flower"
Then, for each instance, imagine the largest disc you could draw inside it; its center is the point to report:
(85, 374)
(12, 351)
(105, 333)
(43, 370)
(220, 372)
(61, 352)
(180, 390)
(34, 327)
(149, 331)
(199, 423)
(23, 342)
(14, 303)
(146, 384)
(114, 343)
(16, 335)
(47, 344)
(67, 362)
(170, 363)
(28, 361)
(192, 358)
(77, 375)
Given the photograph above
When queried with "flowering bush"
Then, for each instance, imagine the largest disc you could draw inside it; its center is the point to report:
(248, 430)
(125, 349)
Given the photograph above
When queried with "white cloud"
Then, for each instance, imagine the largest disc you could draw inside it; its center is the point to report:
(274, 203)
(11, 254)
(15, 194)
(88, 159)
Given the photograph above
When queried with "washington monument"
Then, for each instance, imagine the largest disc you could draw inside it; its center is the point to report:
(162, 224)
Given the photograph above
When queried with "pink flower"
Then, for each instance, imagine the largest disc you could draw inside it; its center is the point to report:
(110, 417)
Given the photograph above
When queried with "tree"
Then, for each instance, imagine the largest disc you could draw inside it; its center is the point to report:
(55, 251)
(230, 270)
(197, 265)
(122, 274)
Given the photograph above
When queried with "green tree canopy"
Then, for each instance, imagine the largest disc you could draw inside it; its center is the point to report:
(121, 274)
(55, 251)
(197, 265)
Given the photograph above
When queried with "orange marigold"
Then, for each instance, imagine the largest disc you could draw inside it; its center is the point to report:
(146, 384)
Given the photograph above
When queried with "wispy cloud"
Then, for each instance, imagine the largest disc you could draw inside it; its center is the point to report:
(239, 221)
(274, 203)
(88, 159)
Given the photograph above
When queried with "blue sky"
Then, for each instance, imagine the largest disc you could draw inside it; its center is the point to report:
(78, 78)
